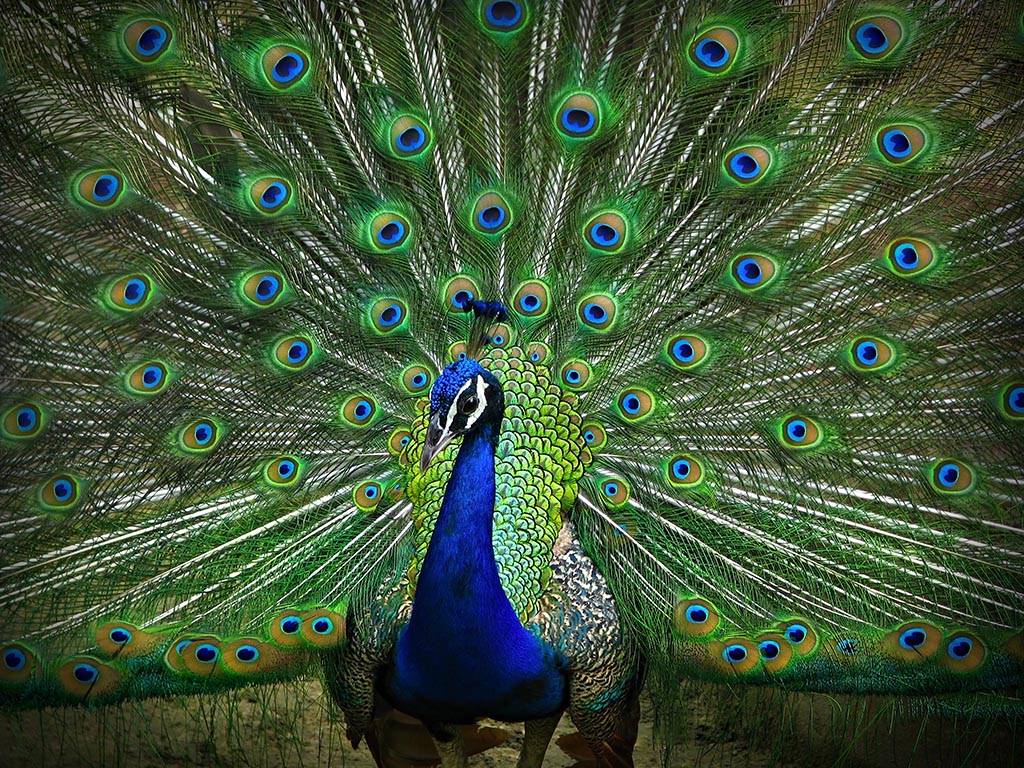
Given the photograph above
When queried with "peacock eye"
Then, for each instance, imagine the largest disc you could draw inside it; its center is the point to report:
(469, 404)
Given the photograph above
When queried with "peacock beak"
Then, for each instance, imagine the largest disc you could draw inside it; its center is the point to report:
(437, 438)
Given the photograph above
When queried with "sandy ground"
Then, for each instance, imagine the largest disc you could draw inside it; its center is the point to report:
(296, 726)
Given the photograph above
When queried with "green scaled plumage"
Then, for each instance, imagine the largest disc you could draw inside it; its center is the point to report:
(763, 267)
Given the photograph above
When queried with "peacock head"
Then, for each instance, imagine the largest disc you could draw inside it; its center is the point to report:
(465, 398)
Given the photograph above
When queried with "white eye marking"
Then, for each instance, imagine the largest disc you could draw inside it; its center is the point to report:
(481, 402)
(454, 407)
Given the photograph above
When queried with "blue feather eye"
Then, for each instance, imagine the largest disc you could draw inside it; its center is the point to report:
(367, 495)
(491, 214)
(247, 654)
(388, 315)
(913, 642)
(769, 649)
(695, 617)
(964, 652)
(1012, 401)
(149, 378)
(684, 471)
(900, 143)
(100, 189)
(753, 271)
(500, 335)
(504, 16)
(575, 374)
(800, 432)
(290, 625)
(359, 410)
(206, 653)
(201, 436)
(531, 299)
(14, 659)
(538, 352)
(60, 493)
(749, 164)
(686, 351)
(459, 292)
(294, 352)
(398, 440)
(270, 195)
(870, 353)
(284, 66)
(282, 471)
(263, 288)
(129, 293)
(615, 492)
(635, 404)
(910, 257)
(416, 379)
(146, 40)
(876, 38)
(409, 137)
(594, 435)
(607, 232)
(952, 477)
(579, 116)
(389, 231)
(22, 421)
(714, 50)
(597, 311)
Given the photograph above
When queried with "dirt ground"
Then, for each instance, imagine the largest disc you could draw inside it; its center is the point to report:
(295, 726)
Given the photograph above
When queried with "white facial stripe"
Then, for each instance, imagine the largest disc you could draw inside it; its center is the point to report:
(481, 402)
(454, 407)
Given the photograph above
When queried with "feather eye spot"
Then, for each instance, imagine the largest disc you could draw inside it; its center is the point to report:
(796, 633)
(538, 352)
(687, 351)
(876, 38)
(870, 353)
(415, 379)
(594, 435)
(752, 272)
(398, 440)
(284, 66)
(410, 137)
(149, 378)
(367, 495)
(294, 352)
(913, 639)
(60, 492)
(146, 40)
(714, 50)
(85, 673)
(801, 432)
(322, 625)
(491, 214)
(201, 436)
(290, 625)
(575, 374)
(735, 653)
(597, 312)
(499, 335)
(23, 421)
(247, 654)
(685, 471)
(964, 652)
(635, 404)
(607, 232)
(359, 410)
(532, 299)
(901, 143)
(769, 650)
(120, 635)
(952, 477)
(262, 289)
(282, 471)
(460, 292)
(14, 659)
(388, 315)
(389, 231)
(270, 195)
(910, 257)
(615, 492)
(206, 653)
(579, 116)
(100, 189)
(130, 293)
(747, 165)
(504, 16)
(695, 617)
(1012, 401)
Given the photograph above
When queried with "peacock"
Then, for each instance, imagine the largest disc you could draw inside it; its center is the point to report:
(511, 359)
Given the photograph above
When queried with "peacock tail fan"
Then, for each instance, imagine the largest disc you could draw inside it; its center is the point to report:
(762, 350)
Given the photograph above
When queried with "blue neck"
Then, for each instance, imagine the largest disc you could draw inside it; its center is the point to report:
(464, 653)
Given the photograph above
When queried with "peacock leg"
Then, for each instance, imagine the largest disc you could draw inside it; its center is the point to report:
(536, 740)
(451, 747)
